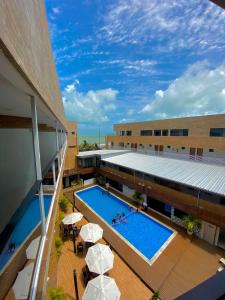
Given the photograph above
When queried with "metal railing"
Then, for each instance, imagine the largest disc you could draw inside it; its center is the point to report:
(203, 159)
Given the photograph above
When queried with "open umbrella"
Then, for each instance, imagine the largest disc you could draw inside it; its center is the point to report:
(99, 259)
(91, 232)
(72, 218)
(22, 284)
(32, 249)
(101, 287)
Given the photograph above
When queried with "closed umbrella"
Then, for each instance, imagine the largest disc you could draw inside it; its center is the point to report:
(32, 249)
(101, 288)
(21, 286)
(72, 218)
(91, 232)
(99, 259)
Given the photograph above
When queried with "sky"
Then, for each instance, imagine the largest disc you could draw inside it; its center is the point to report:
(136, 60)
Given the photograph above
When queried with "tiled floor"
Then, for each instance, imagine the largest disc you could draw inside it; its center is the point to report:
(130, 285)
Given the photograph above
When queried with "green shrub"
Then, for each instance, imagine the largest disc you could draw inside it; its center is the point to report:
(57, 294)
(58, 245)
(61, 215)
(64, 203)
(138, 198)
(155, 296)
(101, 180)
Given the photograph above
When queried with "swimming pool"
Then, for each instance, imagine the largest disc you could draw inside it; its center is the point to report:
(146, 234)
(26, 224)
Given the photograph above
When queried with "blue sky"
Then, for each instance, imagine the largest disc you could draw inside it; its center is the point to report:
(132, 60)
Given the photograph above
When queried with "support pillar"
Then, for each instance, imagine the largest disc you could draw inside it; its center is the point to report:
(53, 172)
(38, 161)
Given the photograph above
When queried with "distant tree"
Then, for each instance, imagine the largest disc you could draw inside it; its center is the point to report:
(85, 146)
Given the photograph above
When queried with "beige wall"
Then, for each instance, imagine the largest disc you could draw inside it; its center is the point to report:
(72, 149)
(198, 136)
(24, 37)
(198, 126)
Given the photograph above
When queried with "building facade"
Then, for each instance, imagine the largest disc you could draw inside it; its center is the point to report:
(201, 137)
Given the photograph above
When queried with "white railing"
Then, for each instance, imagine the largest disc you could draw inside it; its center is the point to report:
(204, 159)
(36, 273)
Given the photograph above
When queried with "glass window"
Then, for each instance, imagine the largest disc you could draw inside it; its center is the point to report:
(122, 133)
(179, 132)
(157, 132)
(165, 132)
(129, 132)
(211, 150)
(146, 132)
(217, 131)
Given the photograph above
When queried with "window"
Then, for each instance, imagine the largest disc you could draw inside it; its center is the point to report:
(121, 144)
(179, 132)
(150, 145)
(140, 145)
(73, 132)
(122, 133)
(168, 147)
(211, 150)
(183, 148)
(146, 132)
(129, 132)
(165, 132)
(217, 132)
(157, 132)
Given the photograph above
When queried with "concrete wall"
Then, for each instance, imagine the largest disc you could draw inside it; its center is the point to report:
(24, 35)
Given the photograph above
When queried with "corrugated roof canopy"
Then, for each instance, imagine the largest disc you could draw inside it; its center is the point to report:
(102, 153)
(196, 174)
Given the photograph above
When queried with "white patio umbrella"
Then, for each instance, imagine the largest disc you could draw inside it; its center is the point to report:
(99, 259)
(22, 284)
(91, 232)
(32, 249)
(101, 288)
(72, 218)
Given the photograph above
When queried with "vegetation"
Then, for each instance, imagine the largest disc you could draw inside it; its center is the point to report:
(57, 294)
(101, 180)
(58, 246)
(155, 296)
(138, 198)
(61, 215)
(191, 223)
(64, 203)
(85, 146)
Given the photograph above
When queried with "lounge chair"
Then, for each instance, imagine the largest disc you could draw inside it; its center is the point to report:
(220, 269)
(222, 261)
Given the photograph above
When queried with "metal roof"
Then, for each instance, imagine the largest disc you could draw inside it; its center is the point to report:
(101, 153)
(199, 175)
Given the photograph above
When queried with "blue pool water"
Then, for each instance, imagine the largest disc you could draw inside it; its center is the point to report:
(143, 232)
(26, 224)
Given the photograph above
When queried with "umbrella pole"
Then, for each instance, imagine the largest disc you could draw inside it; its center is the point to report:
(74, 243)
(75, 284)
(73, 202)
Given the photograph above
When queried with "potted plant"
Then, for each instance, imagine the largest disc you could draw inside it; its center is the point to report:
(138, 198)
(64, 203)
(191, 223)
(101, 180)
(155, 296)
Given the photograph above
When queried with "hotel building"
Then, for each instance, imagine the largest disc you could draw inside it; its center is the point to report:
(38, 150)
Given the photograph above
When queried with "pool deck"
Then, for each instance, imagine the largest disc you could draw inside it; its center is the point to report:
(186, 262)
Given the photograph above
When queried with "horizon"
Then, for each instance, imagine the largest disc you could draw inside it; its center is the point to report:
(121, 62)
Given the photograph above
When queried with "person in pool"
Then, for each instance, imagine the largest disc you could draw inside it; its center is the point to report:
(114, 221)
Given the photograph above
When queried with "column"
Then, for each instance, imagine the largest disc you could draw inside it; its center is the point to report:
(38, 161)
(53, 172)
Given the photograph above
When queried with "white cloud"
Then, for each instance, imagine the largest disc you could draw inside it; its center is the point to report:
(200, 90)
(159, 93)
(56, 10)
(174, 24)
(70, 88)
(93, 107)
